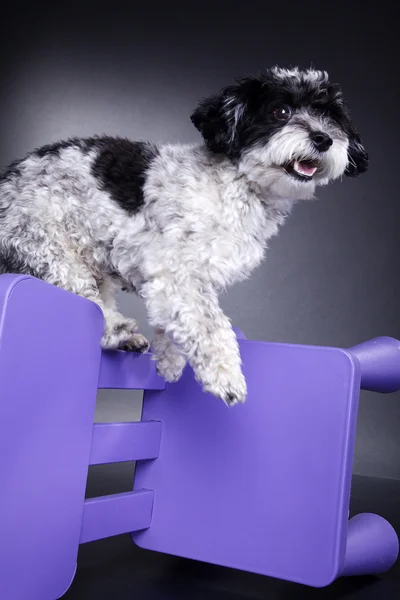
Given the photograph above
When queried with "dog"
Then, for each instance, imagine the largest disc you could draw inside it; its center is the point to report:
(179, 223)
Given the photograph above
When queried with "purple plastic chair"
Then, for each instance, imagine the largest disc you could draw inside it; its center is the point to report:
(263, 487)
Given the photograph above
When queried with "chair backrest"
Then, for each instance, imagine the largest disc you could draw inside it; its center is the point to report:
(49, 369)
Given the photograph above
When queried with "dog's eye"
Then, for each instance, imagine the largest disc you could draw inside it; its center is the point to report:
(282, 113)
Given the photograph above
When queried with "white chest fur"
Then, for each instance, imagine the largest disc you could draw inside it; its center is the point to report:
(203, 218)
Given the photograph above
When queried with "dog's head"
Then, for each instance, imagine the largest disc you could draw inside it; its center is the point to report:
(289, 130)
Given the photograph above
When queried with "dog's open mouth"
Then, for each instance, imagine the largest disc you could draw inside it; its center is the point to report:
(303, 170)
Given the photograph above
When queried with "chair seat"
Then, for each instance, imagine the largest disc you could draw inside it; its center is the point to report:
(264, 486)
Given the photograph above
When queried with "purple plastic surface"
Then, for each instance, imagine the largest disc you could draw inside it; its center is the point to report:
(49, 366)
(372, 546)
(129, 371)
(263, 487)
(380, 364)
(116, 514)
(121, 442)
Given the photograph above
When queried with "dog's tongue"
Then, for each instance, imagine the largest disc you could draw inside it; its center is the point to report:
(305, 167)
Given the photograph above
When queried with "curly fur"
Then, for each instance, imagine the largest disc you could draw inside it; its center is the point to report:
(177, 223)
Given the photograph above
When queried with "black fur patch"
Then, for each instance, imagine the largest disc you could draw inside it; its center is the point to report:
(121, 167)
(242, 115)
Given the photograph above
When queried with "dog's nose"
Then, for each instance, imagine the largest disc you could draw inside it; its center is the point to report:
(321, 140)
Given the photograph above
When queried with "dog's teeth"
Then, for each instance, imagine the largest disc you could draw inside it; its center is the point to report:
(303, 169)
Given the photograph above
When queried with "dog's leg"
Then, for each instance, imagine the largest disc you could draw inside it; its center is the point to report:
(120, 332)
(79, 280)
(193, 319)
(170, 360)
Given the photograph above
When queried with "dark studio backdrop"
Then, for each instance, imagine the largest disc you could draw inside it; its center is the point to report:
(332, 277)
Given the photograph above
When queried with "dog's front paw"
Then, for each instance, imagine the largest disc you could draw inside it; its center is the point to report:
(118, 331)
(170, 367)
(136, 343)
(227, 385)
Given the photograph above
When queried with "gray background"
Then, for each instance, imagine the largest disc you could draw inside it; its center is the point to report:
(332, 276)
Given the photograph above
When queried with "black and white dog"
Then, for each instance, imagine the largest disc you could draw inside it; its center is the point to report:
(178, 223)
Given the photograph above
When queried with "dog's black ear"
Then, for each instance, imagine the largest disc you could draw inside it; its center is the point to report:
(358, 156)
(217, 119)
